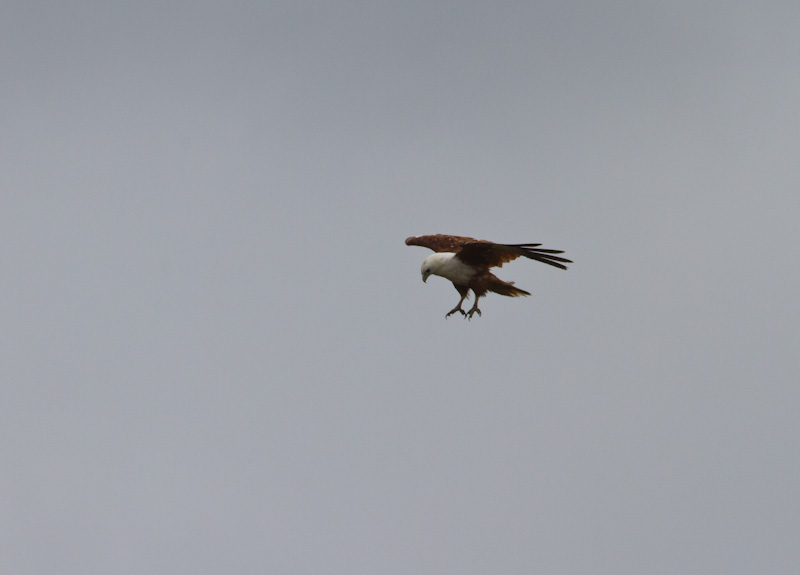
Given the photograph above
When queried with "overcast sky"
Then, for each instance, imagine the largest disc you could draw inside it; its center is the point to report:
(218, 355)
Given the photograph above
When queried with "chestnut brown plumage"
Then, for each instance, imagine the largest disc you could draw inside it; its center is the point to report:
(466, 262)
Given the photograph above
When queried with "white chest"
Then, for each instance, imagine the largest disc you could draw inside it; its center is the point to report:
(455, 270)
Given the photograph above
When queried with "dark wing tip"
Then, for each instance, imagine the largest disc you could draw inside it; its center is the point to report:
(532, 251)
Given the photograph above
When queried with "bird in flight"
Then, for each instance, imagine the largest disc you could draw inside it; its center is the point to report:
(466, 263)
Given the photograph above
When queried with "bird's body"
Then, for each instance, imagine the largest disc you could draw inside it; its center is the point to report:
(466, 262)
(448, 266)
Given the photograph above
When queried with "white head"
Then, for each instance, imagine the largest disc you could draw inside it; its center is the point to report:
(434, 263)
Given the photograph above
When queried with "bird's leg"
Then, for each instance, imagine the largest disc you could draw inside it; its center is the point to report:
(458, 307)
(474, 309)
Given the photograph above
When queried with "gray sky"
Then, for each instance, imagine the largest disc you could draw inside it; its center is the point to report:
(217, 353)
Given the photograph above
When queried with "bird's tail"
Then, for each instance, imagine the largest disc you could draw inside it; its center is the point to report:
(506, 288)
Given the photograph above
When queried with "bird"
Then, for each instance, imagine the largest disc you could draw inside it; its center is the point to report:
(466, 262)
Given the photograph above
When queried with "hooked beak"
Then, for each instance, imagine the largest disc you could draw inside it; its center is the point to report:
(425, 277)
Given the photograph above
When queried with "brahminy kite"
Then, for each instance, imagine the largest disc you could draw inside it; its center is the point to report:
(466, 263)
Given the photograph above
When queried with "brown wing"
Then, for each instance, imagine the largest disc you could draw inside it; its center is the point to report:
(482, 253)
(440, 242)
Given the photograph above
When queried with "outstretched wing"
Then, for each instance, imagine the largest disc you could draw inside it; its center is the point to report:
(440, 242)
(489, 254)
(480, 253)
